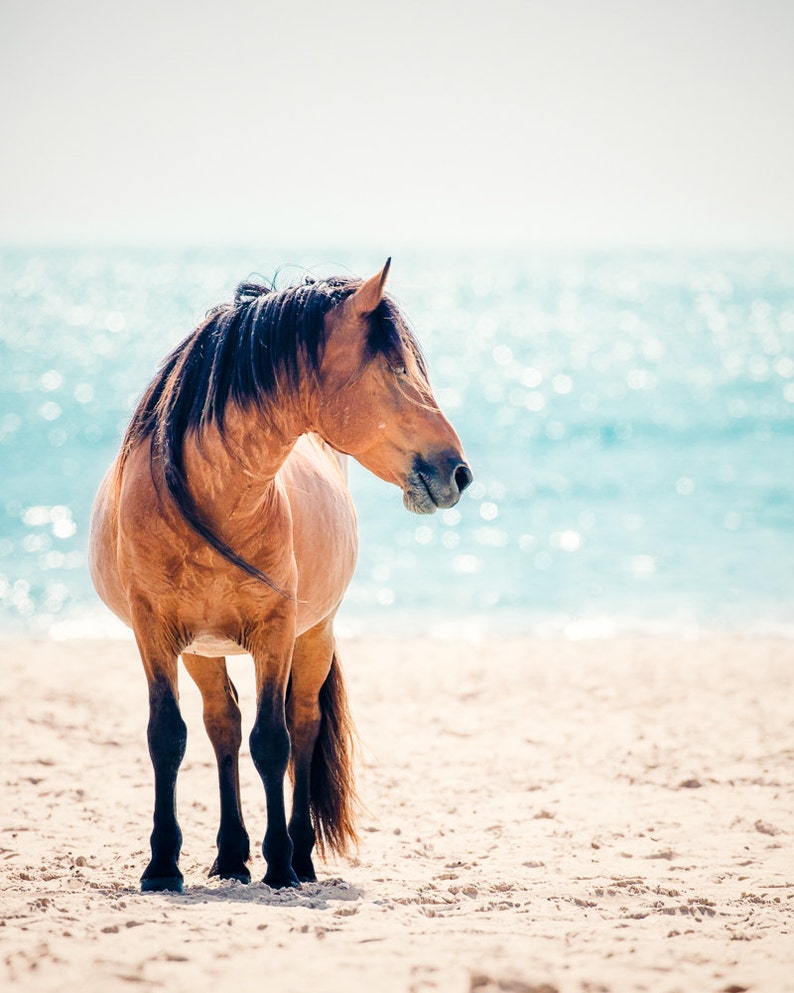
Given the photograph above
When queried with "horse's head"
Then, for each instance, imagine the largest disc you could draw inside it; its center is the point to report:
(376, 403)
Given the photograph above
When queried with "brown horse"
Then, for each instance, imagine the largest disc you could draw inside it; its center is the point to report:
(225, 526)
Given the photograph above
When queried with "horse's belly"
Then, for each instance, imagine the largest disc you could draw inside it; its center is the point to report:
(213, 647)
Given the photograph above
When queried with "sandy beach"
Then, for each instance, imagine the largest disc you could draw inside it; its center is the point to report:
(542, 815)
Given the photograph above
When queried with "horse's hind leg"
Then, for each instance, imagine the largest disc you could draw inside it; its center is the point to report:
(167, 736)
(321, 732)
(223, 724)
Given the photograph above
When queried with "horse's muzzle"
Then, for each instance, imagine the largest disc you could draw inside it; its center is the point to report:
(436, 484)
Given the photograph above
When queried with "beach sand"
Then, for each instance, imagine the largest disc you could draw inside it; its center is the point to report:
(542, 815)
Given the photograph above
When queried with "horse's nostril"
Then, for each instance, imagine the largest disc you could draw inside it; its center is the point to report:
(463, 477)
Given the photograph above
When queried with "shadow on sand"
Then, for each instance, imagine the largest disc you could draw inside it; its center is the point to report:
(315, 896)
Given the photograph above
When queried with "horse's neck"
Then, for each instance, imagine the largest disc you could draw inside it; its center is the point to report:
(243, 461)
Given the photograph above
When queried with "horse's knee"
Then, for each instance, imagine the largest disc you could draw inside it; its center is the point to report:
(167, 731)
(270, 744)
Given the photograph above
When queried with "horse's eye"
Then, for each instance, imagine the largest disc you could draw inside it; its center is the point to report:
(399, 370)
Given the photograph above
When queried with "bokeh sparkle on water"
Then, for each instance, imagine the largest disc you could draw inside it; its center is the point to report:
(630, 421)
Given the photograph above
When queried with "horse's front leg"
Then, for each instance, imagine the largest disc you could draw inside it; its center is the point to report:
(167, 736)
(270, 745)
(223, 724)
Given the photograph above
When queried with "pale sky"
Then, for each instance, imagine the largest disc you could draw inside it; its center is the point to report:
(356, 122)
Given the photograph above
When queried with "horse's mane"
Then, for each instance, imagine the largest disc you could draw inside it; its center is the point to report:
(245, 352)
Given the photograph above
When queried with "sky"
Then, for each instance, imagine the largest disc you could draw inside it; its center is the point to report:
(637, 123)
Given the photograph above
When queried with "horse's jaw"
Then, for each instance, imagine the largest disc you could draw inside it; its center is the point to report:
(417, 498)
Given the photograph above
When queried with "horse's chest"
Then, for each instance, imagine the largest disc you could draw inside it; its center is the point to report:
(324, 533)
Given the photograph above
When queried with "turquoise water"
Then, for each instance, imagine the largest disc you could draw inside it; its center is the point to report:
(629, 418)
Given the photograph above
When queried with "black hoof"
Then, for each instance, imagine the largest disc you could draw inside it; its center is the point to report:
(159, 884)
(304, 874)
(304, 870)
(241, 877)
(282, 882)
(238, 872)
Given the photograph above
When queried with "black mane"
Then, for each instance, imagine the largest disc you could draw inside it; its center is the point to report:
(244, 353)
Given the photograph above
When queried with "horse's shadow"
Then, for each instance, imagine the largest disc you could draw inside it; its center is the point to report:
(314, 896)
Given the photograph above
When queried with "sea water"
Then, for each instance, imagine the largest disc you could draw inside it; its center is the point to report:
(629, 419)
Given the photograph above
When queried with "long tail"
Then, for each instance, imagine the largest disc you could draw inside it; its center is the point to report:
(333, 801)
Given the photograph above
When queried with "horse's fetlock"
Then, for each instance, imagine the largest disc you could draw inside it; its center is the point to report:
(234, 843)
(302, 832)
(166, 841)
(277, 847)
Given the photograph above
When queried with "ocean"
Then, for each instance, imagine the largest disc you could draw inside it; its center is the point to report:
(629, 418)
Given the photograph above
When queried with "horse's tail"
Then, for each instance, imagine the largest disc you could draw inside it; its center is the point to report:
(333, 801)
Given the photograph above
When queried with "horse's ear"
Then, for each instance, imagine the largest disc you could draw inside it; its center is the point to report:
(370, 293)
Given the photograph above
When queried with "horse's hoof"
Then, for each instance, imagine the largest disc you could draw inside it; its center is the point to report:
(241, 877)
(241, 873)
(282, 882)
(160, 884)
(304, 870)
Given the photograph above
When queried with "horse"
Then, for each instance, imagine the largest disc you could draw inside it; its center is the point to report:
(225, 526)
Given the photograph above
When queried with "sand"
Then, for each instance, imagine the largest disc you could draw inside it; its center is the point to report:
(543, 815)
